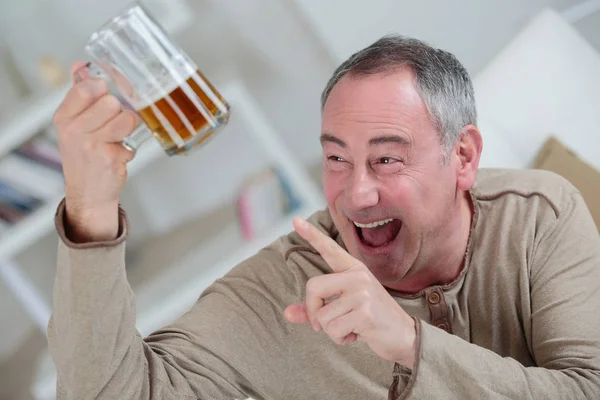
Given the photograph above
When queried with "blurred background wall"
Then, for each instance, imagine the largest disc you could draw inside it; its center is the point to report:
(283, 52)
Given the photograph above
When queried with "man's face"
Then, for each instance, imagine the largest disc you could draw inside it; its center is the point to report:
(388, 189)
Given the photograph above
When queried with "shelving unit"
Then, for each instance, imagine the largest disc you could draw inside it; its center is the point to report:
(173, 291)
(37, 225)
(40, 222)
(28, 118)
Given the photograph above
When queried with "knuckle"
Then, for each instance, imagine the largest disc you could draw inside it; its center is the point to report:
(331, 246)
(111, 104)
(61, 132)
(121, 171)
(331, 329)
(364, 276)
(76, 126)
(338, 340)
(111, 162)
(334, 330)
(311, 287)
(57, 117)
(366, 315)
(364, 295)
(322, 318)
(125, 122)
(88, 146)
(320, 315)
(83, 92)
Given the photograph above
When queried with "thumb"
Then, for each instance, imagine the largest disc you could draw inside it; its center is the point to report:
(296, 313)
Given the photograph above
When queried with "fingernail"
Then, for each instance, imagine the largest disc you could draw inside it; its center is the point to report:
(81, 72)
(302, 222)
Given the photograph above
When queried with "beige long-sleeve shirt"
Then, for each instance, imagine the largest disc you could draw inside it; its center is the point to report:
(522, 321)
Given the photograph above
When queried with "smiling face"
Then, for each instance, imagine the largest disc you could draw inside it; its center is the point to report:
(393, 198)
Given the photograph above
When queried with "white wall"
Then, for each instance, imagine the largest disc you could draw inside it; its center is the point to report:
(590, 28)
(474, 30)
(546, 82)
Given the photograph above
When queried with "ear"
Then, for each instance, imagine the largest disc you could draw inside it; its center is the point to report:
(468, 152)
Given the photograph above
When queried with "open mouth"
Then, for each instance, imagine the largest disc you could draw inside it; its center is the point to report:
(378, 234)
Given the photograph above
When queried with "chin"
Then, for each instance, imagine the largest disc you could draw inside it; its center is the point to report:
(388, 272)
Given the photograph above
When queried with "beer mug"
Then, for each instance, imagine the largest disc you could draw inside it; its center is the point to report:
(152, 76)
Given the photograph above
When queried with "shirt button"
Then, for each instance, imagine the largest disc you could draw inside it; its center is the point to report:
(433, 298)
(443, 327)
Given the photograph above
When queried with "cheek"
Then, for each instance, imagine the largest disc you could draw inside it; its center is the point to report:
(409, 198)
(425, 201)
(398, 192)
(333, 186)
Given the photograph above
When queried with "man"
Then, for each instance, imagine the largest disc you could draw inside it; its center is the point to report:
(424, 278)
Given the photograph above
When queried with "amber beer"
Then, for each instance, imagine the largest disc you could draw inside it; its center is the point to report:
(187, 116)
(150, 74)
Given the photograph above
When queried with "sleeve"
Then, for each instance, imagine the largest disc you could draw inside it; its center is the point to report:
(216, 351)
(565, 296)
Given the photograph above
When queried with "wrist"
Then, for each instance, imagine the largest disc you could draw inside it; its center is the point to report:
(91, 223)
(408, 354)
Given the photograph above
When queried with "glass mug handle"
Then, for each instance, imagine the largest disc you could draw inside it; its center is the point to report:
(141, 133)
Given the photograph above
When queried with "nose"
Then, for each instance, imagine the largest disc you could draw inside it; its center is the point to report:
(362, 192)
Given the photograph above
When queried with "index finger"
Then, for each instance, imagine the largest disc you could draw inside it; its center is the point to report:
(80, 97)
(336, 257)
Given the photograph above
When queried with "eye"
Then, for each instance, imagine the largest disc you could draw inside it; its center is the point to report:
(387, 165)
(387, 160)
(336, 164)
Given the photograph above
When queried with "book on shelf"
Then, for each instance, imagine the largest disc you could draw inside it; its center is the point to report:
(263, 200)
(43, 150)
(31, 177)
(16, 204)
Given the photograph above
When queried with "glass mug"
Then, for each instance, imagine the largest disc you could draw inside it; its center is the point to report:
(152, 76)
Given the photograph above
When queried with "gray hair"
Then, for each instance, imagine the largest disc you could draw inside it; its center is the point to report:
(441, 80)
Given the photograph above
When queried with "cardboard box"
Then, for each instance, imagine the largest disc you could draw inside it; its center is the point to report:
(555, 156)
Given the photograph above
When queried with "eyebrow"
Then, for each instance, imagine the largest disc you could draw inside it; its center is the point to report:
(327, 137)
(394, 139)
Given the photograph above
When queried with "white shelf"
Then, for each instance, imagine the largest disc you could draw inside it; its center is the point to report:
(28, 119)
(38, 114)
(41, 222)
(170, 294)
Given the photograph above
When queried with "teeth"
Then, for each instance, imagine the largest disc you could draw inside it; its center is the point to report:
(373, 224)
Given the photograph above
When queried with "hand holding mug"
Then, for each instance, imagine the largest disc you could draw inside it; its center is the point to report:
(91, 125)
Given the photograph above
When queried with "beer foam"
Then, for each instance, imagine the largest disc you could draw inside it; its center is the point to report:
(163, 85)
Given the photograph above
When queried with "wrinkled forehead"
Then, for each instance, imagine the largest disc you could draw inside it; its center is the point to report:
(376, 103)
(393, 91)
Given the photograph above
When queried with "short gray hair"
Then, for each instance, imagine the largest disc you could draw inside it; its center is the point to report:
(441, 80)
